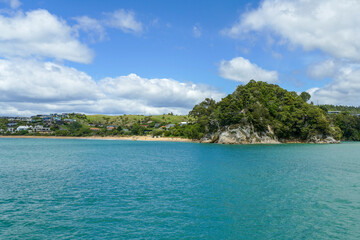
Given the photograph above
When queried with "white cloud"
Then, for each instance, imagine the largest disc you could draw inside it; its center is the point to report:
(32, 81)
(29, 87)
(91, 26)
(344, 89)
(41, 34)
(157, 92)
(242, 70)
(125, 21)
(322, 70)
(13, 3)
(197, 31)
(332, 26)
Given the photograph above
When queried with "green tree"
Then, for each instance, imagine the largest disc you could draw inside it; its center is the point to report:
(305, 96)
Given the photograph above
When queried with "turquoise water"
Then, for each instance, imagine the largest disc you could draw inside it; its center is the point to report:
(92, 189)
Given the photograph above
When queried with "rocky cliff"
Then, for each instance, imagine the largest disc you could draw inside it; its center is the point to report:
(247, 135)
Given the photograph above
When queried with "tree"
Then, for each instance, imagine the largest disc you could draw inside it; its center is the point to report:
(305, 96)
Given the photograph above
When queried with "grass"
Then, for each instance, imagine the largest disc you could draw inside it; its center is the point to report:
(131, 119)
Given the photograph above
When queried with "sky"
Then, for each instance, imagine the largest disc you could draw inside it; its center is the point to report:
(155, 57)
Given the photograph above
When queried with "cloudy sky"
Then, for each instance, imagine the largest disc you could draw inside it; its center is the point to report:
(154, 57)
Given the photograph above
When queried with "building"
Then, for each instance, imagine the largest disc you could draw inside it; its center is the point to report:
(69, 120)
(111, 127)
(12, 124)
(22, 128)
(169, 126)
(40, 128)
(11, 129)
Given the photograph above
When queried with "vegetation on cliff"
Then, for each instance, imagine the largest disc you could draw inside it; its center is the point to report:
(262, 105)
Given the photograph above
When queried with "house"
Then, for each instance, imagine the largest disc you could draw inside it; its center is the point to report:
(45, 130)
(56, 119)
(69, 120)
(183, 123)
(12, 124)
(22, 128)
(111, 127)
(334, 112)
(157, 125)
(40, 128)
(144, 125)
(95, 129)
(11, 130)
(169, 126)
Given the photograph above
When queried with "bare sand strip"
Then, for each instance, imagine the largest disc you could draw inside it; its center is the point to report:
(129, 138)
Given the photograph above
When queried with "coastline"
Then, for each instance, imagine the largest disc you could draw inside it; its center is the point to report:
(129, 138)
(161, 139)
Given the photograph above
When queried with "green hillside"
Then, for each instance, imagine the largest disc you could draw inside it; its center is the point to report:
(264, 105)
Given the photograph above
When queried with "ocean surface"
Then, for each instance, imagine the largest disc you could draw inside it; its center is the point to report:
(96, 189)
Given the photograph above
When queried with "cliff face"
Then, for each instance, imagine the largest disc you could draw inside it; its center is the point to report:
(247, 135)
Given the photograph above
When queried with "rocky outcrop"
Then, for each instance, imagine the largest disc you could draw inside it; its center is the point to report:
(242, 135)
(322, 139)
(247, 135)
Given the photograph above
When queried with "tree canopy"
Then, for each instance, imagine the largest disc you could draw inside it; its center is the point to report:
(264, 105)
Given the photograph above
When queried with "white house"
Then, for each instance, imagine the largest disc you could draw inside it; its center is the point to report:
(20, 128)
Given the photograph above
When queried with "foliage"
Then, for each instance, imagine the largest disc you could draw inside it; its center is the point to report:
(263, 105)
(349, 109)
(348, 124)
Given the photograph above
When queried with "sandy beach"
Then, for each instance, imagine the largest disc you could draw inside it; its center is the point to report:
(129, 138)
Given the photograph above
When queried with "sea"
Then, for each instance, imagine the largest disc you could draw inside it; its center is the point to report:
(97, 189)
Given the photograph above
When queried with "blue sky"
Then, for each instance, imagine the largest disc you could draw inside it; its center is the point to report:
(153, 57)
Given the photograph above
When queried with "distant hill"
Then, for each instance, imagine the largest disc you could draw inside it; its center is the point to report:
(129, 120)
(349, 109)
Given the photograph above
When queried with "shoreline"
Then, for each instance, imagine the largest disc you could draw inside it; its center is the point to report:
(129, 138)
(151, 139)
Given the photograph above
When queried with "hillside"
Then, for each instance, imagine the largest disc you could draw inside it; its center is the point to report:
(264, 113)
(129, 120)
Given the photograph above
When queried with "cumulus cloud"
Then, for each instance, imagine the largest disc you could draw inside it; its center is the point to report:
(344, 89)
(157, 92)
(322, 70)
(41, 34)
(37, 87)
(124, 20)
(332, 26)
(242, 70)
(91, 26)
(32, 81)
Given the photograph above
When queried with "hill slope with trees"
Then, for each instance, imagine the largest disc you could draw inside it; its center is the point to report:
(262, 112)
